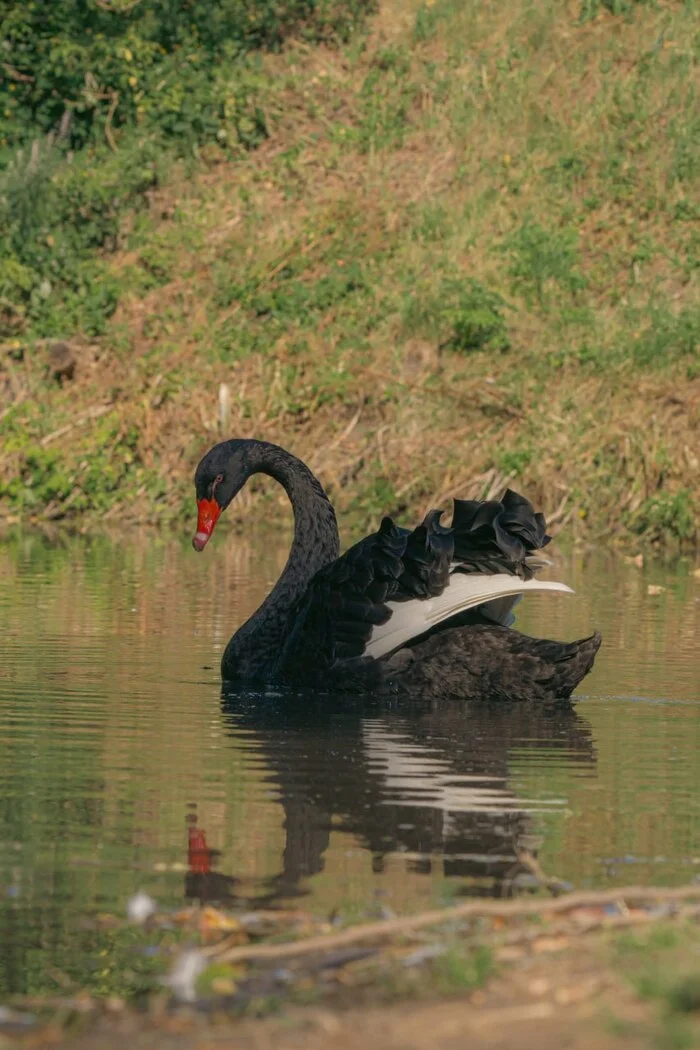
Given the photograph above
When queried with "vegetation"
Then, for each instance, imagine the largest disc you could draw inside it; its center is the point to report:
(85, 69)
(660, 965)
(577, 977)
(449, 252)
(122, 82)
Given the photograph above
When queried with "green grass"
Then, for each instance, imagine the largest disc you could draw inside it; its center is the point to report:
(663, 968)
(461, 970)
(465, 257)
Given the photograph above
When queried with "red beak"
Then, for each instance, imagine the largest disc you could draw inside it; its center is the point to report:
(208, 511)
(198, 853)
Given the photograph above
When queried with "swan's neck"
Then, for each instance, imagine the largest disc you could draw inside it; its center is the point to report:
(252, 651)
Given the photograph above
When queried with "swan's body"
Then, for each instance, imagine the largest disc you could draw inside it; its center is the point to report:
(427, 611)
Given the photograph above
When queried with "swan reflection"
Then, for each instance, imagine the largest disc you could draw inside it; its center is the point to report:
(431, 785)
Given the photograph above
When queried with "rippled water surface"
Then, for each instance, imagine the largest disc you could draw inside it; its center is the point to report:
(121, 769)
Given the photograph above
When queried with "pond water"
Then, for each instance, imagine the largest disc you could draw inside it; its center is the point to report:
(121, 768)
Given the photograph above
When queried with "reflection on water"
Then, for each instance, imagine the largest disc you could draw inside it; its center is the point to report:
(121, 767)
(416, 790)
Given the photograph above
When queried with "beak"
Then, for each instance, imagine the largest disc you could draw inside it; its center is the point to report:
(208, 511)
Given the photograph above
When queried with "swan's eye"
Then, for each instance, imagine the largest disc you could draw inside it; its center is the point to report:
(215, 483)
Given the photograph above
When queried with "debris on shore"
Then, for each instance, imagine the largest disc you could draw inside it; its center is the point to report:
(225, 963)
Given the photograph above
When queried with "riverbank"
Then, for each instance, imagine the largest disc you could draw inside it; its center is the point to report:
(610, 969)
(464, 257)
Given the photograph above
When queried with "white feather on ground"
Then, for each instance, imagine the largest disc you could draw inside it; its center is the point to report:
(413, 618)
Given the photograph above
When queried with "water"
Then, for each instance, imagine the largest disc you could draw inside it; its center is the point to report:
(116, 752)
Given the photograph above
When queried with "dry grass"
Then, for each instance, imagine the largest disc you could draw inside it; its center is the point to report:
(549, 160)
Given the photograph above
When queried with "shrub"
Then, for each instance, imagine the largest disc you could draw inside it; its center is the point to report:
(95, 95)
(541, 257)
(590, 9)
(82, 66)
(53, 217)
(667, 515)
(669, 336)
(463, 315)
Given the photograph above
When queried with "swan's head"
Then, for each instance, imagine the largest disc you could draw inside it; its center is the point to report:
(219, 477)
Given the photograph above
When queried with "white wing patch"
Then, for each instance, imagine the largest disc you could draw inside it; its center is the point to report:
(410, 619)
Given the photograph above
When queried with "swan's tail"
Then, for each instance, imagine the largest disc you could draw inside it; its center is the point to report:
(572, 662)
(491, 663)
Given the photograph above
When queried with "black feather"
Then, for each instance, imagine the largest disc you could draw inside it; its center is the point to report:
(497, 536)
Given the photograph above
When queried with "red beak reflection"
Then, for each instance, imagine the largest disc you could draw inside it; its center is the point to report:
(208, 511)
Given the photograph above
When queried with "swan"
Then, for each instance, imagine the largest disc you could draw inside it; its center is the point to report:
(426, 612)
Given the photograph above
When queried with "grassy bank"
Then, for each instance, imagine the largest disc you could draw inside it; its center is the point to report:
(464, 255)
(587, 969)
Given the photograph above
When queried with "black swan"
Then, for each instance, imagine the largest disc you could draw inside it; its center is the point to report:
(424, 613)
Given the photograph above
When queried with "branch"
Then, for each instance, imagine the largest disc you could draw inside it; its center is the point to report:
(14, 74)
(108, 124)
(469, 909)
(105, 5)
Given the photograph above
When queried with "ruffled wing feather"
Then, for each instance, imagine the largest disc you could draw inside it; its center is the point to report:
(395, 585)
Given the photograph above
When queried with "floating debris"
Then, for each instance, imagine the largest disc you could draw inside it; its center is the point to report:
(140, 907)
(182, 979)
(15, 1022)
(424, 955)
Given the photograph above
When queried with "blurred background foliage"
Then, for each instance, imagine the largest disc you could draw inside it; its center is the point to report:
(83, 80)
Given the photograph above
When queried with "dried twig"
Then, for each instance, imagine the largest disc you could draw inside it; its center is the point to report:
(560, 513)
(14, 74)
(85, 417)
(121, 10)
(594, 923)
(108, 123)
(529, 861)
(469, 909)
